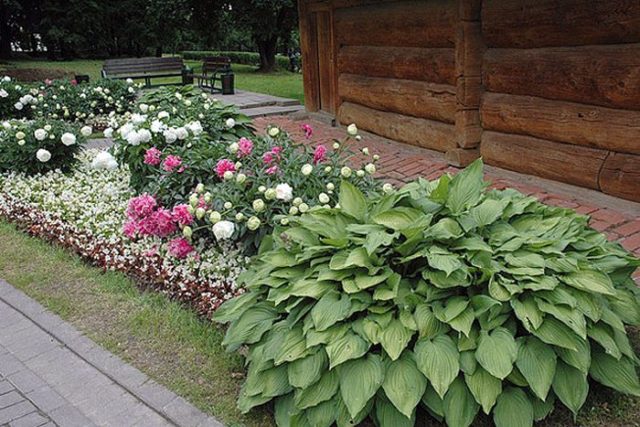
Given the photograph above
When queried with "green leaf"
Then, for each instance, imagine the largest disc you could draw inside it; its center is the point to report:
(359, 381)
(323, 414)
(350, 346)
(439, 361)
(394, 338)
(454, 306)
(388, 416)
(465, 188)
(319, 392)
(352, 201)
(496, 352)
(463, 322)
(428, 325)
(620, 374)
(234, 308)
(398, 218)
(484, 387)
(433, 402)
(444, 262)
(460, 408)
(250, 327)
(554, 332)
(567, 315)
(571, 386)
(293, 347)
(603, 335)
(445, 229)
(513, 409)
(537, 363)
(331, 309)
(484, 214)
(306, 371)
(404, 384)
(580, 358)
(590, 281)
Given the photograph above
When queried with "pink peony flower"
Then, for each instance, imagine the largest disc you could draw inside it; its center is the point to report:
(308, 130)
(272, 156)
(48, 82)
(152, 156)
(319, 155)
(147, 226)
(141, 207)
(276, 151)
(267, 157)
(172, 162)
(163, 223)
(180, 248)
(272, 170)
(130, 229)
(74, 82)
(224, 165)
(245, 147)
(181, 215)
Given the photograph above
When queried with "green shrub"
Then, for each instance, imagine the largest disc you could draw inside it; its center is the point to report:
(39, 146)
(440, 297)
(246, 58)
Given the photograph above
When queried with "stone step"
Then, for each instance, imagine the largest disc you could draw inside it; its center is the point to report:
(272, 110)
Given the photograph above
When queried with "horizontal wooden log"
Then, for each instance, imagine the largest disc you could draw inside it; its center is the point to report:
(461, 157)
(620, 176)
(468, 128)
(539, 23)
(407, 97)
(469, 92)
(561, 162)
(429, 64)
(421, 132)
(601, 75)
(588, 125)
(402, 24)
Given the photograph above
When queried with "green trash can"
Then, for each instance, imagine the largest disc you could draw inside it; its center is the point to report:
(187, 76)
(227, 83)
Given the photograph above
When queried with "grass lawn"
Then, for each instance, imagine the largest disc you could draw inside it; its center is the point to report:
(164, 339)
(278, 83)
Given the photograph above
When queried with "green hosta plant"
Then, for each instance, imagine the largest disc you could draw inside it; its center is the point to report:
(441, 298)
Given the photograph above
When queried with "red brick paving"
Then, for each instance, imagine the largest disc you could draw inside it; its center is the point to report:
(401, 163)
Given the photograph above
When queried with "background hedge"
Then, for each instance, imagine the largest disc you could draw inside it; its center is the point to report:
(247, 58)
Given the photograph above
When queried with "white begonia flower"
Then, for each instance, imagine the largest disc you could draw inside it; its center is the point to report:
(306, 169)
(228, 175)
(323, 198)
(370, 168)
(108, 133)
(223, 230)
(68, 139)
(170, 136)
(86, 131)
(253, 223)
(233, 148)
(258, 205)
(40, 134)
(303, 207)
(143, 107)
(163, 115)
(3, 93)
(284, 192)
(18, 106)
(215, 217)
(112, 164)
(274, 131)
(20, 135)
(43, 155)
(230, 122)
(387, 188)
(352, 129)
(345, 172)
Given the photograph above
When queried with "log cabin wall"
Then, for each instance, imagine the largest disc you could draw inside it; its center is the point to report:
(544, 87)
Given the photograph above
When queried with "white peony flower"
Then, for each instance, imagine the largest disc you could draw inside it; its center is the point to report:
(258, 205)
(48, 128)
(215, 217)
(306, 169)
(3, 93)
(129, 81)
(104, 160)
(323, 198)
(125, 129)
(68, 139)
(108, 132)
(6, 125)
(195, 127)
(387, 188)
(352, 129)
(43, 155)
(223, 229)
(143, 107)
(284, 192)
(163, 115)
(230, 123)
(156, 126)
(170, 136)
(86, 131)
(233, 148)
(6, 79)
(144, 135)
(345, 172)
(22, 142)
(18, 105)
(40, 134)
(20, 135)
(370, 168)
(253, 223)
(274, 131)
(133, 138)
(182, 133)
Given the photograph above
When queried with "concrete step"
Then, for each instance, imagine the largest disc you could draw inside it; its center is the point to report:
(272, 110)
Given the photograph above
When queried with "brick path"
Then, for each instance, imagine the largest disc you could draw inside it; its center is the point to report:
(51, 375)
(618, 219)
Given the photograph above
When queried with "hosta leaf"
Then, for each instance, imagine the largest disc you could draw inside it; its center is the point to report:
(250, 327)
(398, 218)
(496, 352)
(468, 362)
(294, 347)
(350, 346)
(484, 387)
(344, 419)
(404, 384)
(513, 409)
(428, 325)
(603, 335)
(484, 214)
(394, 338)
(306, 371)
(454, 306)
(554, 332)
(376, 239)
(463, 322)
(465, 188)
(445, 229)
(335, 332)
(331, 309)
(580, 358)
(286, 414)
(537, 363)
(360, 379)
(542, 409)
(322, 415)
(246, 402)
(590, 281)
(618, 374)
(364, 281)
(388, 416)
(444, 262)
(460, 408)
(571, 386)
(569, 316)
(438, 360)
(433, 402)
(352, 201)
(234, 308)
(319, 392)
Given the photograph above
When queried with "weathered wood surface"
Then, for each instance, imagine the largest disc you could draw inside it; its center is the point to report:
(539, 23)
(588, 125)
(469, 49)
(601, 75)
(468, 92)
(429, 64)
(620, 176)
(308, 51)
(403, 24)
(462, 157)
(562, 162)
(469, 10)
(421, 132)
(408, 97)
(468, 128)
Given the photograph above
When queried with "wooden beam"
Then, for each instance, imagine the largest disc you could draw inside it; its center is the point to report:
(620, 176)
(309, 54)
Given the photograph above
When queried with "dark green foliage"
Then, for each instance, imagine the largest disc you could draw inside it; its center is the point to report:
(247, 58)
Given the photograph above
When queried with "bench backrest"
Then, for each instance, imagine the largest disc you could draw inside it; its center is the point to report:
(142, 66)
(212, 64)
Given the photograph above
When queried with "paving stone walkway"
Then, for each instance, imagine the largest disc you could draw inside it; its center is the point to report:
(52, 375)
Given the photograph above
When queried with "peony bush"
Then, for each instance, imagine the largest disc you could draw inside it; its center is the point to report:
(441, 298)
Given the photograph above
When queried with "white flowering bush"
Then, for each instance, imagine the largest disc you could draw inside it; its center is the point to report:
(39, 146)
(13, 103)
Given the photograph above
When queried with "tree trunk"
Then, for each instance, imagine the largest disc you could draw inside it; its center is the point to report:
(267, 49)
(159, 51)
(5, 32)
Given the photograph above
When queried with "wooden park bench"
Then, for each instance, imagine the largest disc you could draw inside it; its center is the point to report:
(216, 69)
(145, 68)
